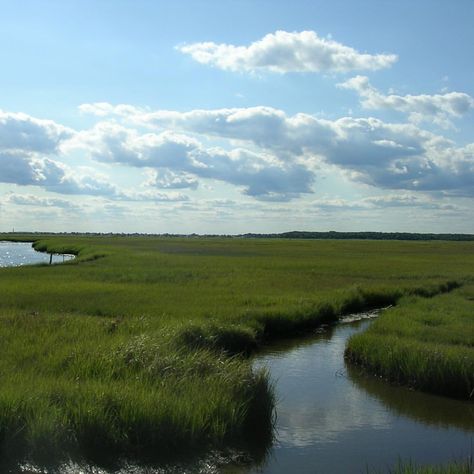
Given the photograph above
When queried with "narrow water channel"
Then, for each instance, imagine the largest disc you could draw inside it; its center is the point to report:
(331, 418)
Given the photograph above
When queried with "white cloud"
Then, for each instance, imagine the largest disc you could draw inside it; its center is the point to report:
(337, 204)
(437, 108)
(284, 52)
(266, 127)
(101, 109)
(386, 155)
(28, 170)
(167, 179)
(407, 201)
(152, 195)
(20, 131)
(24, 140)
(267, 154)
(17, 168)
(180, 159)
(37, 201)
(56, 177)
(383, 202)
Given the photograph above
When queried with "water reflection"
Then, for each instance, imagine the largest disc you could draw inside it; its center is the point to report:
(314, 404)
(332, 419)
(14, 254)
(425, 408)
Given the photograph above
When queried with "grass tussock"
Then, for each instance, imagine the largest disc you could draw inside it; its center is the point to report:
(136, 347)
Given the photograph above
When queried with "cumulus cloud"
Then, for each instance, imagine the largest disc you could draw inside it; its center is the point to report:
(179, 159)
(270, 155)
(387, 155)
(54, 176)
(284, 52)
(437, 108)
(345, 141)
(18, 168)
(20, 131)
(266, 127)
(28, 170)
(24, 140)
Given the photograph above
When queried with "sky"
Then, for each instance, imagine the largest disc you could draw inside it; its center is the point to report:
(227, 117)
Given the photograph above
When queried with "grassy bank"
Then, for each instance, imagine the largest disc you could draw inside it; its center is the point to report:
(466, 467)
(135, 347)
(427, 344)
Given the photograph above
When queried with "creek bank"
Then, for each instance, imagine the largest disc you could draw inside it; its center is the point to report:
(248, 334)
(427, 345)
(325, 407)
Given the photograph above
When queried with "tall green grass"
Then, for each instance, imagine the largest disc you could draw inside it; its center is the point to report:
(427, 344)
(91, 388)
(466, 467)
(137, 347)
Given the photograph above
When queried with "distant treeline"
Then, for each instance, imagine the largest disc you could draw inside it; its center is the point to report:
(362, 236)
(284, 235)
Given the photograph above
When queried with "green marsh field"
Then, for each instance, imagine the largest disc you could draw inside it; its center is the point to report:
(139, 347)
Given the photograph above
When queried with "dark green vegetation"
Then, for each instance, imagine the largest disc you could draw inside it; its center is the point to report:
(364, 236)
(425, 343)
(453, 468)
(135, 348)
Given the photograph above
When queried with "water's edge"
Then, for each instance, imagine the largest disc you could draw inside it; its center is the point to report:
(14, 254)
(328, 407)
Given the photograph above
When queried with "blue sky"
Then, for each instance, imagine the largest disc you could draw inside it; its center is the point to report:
(236, 116)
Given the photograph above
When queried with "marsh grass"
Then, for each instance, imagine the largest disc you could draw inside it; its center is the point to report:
(72, 388)
(427, 344)
(463, 467)
(137, 348)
